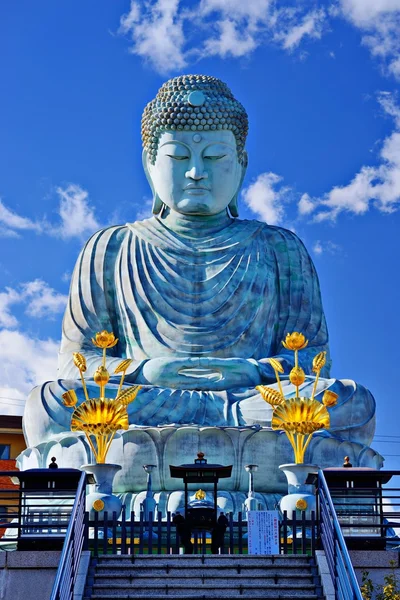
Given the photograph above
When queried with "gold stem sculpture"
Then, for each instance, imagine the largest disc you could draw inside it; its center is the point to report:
(100, 418)
(299, 417)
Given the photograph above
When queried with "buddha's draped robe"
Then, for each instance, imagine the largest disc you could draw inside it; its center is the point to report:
(231, 292)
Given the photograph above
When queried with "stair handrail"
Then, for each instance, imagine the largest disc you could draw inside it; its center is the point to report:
(63, 587)
(339, 562)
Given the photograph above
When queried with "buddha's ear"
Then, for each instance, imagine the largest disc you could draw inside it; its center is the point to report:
(157, 202)
(233, 204)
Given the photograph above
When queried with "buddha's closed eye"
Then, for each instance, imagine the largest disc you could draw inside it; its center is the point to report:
(177, 157)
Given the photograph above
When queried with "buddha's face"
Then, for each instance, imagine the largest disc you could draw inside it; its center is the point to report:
(196, 172)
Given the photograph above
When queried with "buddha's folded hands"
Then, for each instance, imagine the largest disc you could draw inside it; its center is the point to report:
(204, 373)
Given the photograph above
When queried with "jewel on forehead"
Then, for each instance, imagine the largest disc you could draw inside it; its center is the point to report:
(197, 138)
(196, 98)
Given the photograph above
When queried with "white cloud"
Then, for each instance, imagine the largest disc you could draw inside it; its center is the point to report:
(170, 35)
(317, 248)
(265, 200)
(11, 221)
(7, 299)
(379, 23)
(76, 217)
(378, 185)
(326, 246)
(24, 363)
(145, 212)
(310, 25)
(306, 205)
(156, 30)
(39, 298)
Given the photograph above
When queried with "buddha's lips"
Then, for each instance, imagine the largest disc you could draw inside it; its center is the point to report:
(191, 188)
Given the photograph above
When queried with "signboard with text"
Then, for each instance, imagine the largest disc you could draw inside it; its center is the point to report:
(263, 531)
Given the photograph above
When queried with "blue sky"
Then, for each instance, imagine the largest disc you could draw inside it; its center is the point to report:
(320, 83)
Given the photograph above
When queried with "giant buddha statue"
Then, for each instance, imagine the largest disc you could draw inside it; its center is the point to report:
(199, 299)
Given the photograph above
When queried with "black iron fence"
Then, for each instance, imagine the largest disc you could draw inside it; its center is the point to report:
(132, 534)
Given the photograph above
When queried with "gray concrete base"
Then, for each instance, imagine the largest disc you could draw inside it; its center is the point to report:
(326, 579)
(376, 562)
(25, 575)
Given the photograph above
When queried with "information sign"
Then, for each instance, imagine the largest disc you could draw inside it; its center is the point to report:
(263, 531)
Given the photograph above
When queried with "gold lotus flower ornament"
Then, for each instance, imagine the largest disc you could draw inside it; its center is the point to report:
(105, 339)
(295, 341)
(70, 398)
(300, 418)
(100, 418)
(329, 398)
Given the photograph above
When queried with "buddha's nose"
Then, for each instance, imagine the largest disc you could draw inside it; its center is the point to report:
(196, 172)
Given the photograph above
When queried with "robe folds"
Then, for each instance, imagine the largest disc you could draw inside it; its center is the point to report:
(226, 292)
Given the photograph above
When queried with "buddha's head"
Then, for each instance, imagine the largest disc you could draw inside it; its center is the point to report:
(194, 156)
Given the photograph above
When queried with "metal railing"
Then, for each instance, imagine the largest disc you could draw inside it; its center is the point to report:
(334, 545)
(63, 588)
(36, 510)
(132, 534)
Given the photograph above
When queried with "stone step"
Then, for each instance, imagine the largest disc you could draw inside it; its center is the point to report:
(215, 590)
(201, 596)
(209, 593)
(160, 560)
(200, 570)
(206, 580)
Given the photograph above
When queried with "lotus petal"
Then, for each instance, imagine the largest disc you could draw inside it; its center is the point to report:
(122, 367)
(319, 361)
(128, 395)
(79, 361)
(276, 365)
(273, 397)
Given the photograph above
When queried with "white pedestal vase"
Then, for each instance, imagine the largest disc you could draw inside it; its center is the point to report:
(100, 498)
(301, 496)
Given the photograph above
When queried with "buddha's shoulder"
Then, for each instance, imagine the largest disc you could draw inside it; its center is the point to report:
(272, 233)
(108, 236)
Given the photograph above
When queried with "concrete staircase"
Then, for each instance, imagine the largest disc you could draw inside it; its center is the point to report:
(156, 577)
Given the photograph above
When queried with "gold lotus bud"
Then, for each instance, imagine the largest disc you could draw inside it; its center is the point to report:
(70, 398)
(101, 376)
(79, 361)
(329, 398)
(297, 376)
(319, 362)
(273, 397)
(276, 365)
(301, 504)
(295, 341)
(105, 339)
